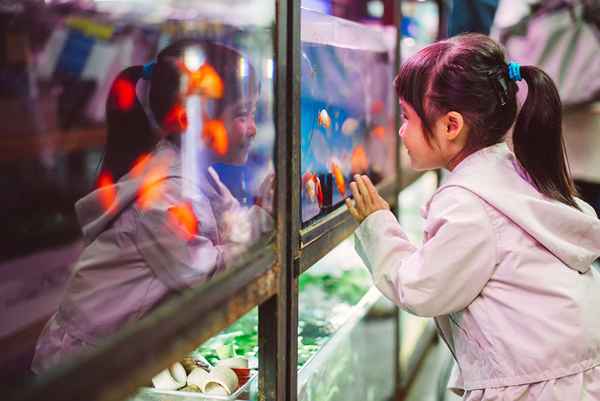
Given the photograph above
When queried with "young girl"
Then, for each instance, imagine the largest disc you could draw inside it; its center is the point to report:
(506, 267)
(161, 219)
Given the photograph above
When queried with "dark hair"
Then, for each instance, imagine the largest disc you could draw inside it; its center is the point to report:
(468, 74)
(129, 131)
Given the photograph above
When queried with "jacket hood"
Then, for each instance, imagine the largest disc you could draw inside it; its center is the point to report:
(97, 210)
(495, 175)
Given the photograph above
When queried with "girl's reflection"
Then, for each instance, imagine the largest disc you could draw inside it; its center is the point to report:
(161, 218)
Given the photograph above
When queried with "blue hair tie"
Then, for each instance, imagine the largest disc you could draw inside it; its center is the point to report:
(147, 70)
(514, 71)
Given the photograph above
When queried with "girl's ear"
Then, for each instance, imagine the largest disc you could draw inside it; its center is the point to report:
(453, 125)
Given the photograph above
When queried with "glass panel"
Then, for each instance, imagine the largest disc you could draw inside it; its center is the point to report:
(148, 128)
(420, 22)
(346, 109)
(340, 312)
(223, 368)
(411, 199)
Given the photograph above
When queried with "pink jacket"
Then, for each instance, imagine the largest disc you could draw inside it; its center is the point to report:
(506, 272)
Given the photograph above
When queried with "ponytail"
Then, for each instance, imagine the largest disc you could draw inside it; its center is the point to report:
(538, 141)
(129, 135)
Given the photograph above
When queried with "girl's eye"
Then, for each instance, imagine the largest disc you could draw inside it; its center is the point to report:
(404, 116)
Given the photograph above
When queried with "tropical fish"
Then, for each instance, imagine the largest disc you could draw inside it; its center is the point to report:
(340, 181)
(176, 118)
(378, 131)
(152, 184)
(359, 160)
(324, 119)
(183, 216)
(107, 191)
(377, 106)
(206, 82)
(349, 126)
(123, 93)
(215, 136)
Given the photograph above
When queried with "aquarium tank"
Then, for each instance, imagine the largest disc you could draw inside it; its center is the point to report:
(346, 124)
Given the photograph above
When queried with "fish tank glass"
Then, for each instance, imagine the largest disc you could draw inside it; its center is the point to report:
(346, 103)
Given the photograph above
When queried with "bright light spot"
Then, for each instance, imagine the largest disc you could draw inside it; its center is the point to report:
(269, 67)
(193, 58)
(375, 8)
(409, 42)
(243, 68)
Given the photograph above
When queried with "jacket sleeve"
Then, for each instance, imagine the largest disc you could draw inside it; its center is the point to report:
(177, 257)
(448, 271)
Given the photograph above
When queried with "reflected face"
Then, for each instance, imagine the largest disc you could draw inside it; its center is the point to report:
(424, 155)
(239, 121)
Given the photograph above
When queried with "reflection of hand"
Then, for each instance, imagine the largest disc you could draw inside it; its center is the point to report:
(266, 193)
(226, 199)
(366, 199)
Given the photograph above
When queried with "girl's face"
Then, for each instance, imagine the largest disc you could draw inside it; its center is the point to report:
(239, 122)
(423, 155)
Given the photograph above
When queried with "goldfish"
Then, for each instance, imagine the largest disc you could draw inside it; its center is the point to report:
(123, 92)
(349, 126)
(108, 191)
(215, 136)
(312, 185)
(359, 160)
(378, 132)
(340, 182)
(324, 119)
(176, 118)
(152, 185)
(377, 106)
(183, 216)
(206, 81)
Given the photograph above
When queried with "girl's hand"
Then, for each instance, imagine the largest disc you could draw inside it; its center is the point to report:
(366, 198)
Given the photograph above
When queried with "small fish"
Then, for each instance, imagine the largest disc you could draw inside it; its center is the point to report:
(377, 106)
(153, 185)
(378, 132)
(318, 190)
(183, 216)
(324, 119)
(176, 119)
(123, 93)
(340, 182)
(107, 191)
(359, 160)
(215, 136)
(206, 82)
(309, 185)
(349, 126)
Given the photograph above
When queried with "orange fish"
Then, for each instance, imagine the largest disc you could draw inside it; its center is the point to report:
(139, 165)
(206, 81)
(308, 181)
(318, 190)
(108, 191)
(152, 186)
(378, 131)
(359, 160)
(339, 178)
(123, 91)
(215, 136)
(324, 119)
(176, 118)
(377, 106)
(183, 216)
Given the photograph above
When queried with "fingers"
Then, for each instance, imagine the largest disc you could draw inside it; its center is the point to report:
(364, 191)
(353, 212)
(359, 203)
(377, 199)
